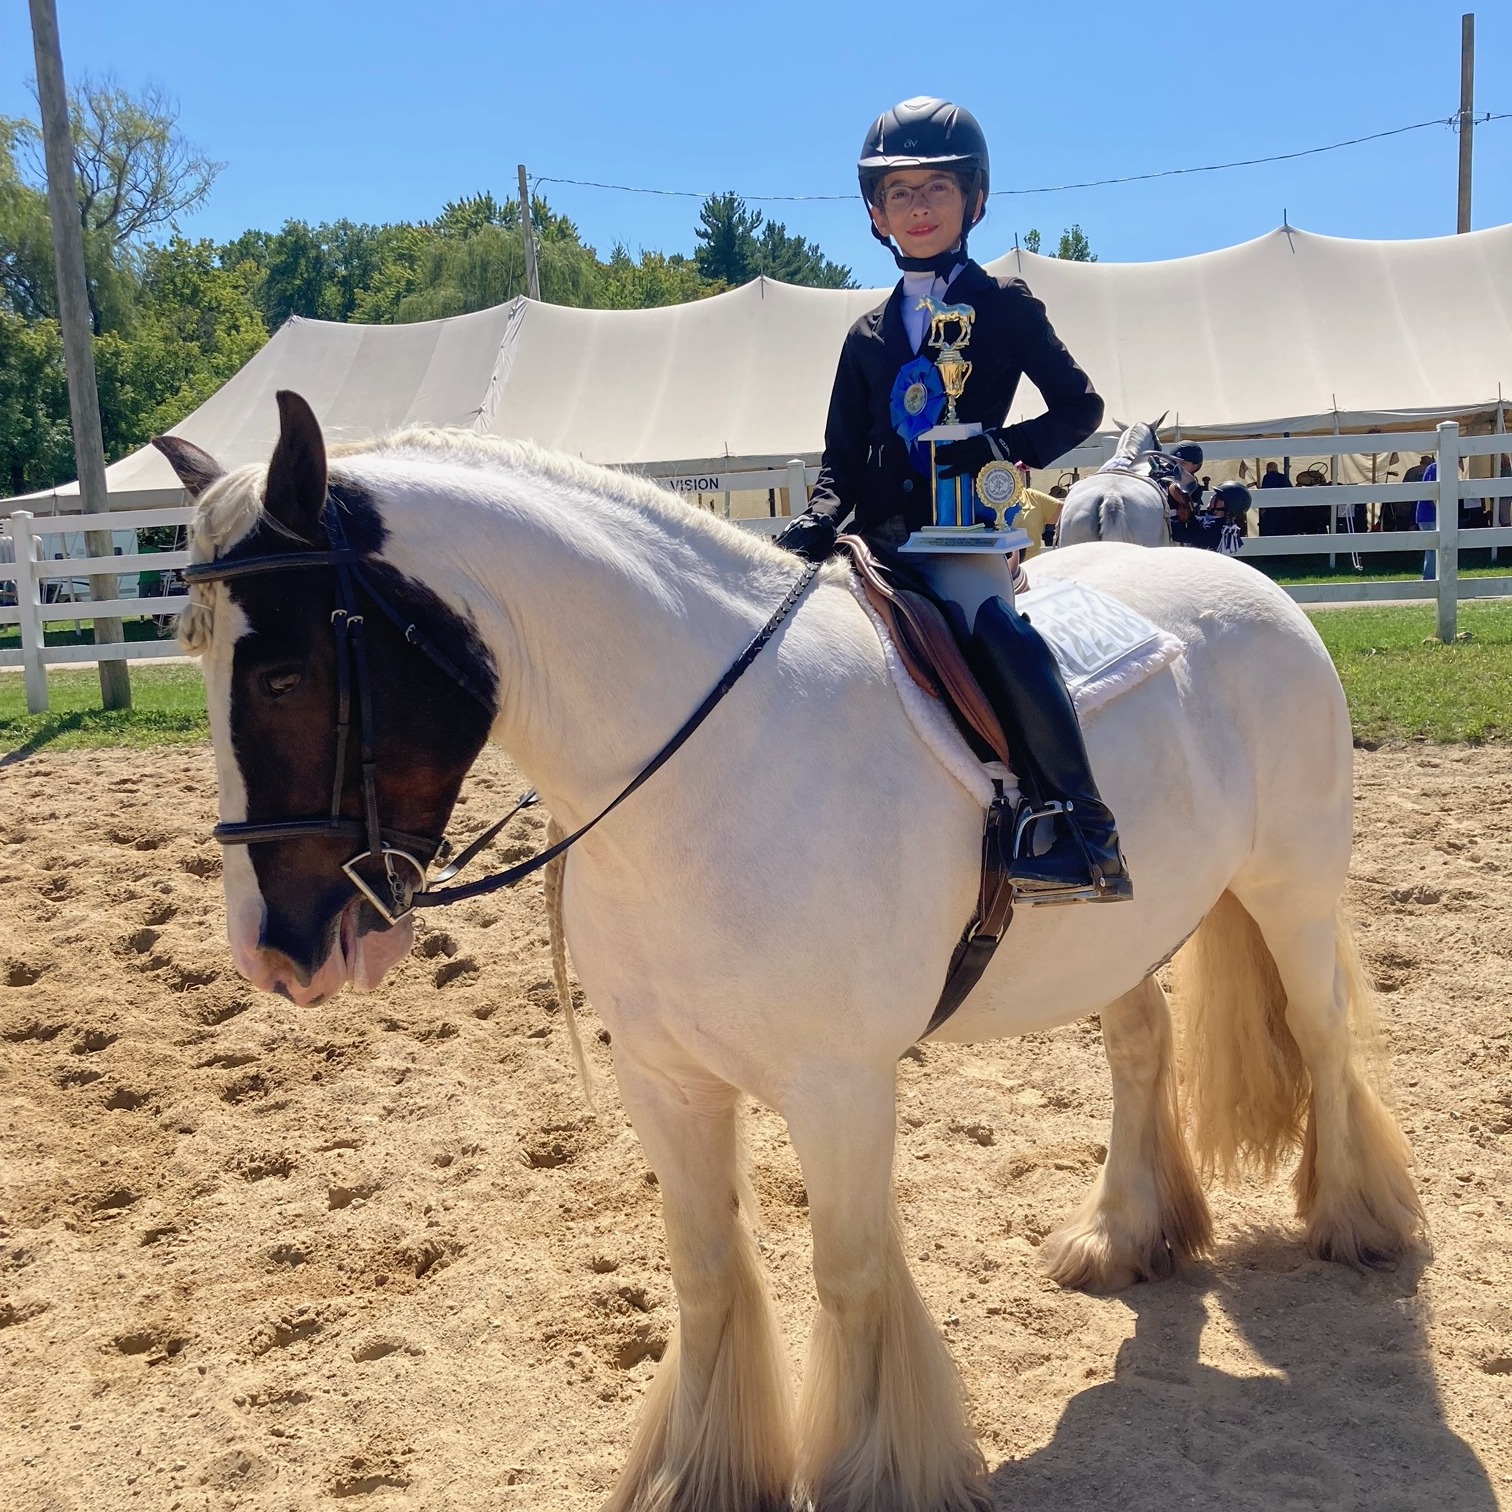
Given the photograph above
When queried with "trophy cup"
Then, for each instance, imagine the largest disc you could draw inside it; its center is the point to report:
(957, 502)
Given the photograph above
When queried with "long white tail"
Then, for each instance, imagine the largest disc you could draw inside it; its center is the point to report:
(1244, 1086)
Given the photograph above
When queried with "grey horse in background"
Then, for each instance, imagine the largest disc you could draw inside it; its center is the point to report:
(1125, 499)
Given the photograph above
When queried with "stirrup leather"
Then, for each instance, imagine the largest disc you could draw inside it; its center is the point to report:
(1041, 894)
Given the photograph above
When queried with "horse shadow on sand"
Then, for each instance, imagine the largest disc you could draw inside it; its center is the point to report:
(1339, 1410)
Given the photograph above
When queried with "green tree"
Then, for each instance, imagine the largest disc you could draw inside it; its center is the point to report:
(195, 324)
(1072, 247)
(135, 172)
(399, 274)
(656, 279)
(26, 261)
(726, 233)
(732, 252)
(456, 275)
(790, 258)
(468, 215)
(36, 444)
(319, 272)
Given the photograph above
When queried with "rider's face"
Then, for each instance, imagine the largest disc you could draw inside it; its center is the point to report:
(921, 209)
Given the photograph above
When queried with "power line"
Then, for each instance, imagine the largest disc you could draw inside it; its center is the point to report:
(1130, 178)
(1277, 157)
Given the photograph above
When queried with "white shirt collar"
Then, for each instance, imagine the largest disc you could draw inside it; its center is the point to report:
(925, 285)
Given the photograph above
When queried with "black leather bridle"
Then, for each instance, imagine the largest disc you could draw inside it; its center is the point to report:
(407, 858)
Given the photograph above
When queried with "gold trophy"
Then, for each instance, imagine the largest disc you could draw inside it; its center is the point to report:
(998, 485)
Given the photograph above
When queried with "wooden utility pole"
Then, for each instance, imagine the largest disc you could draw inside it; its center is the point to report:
(527, 230)
(1466, 116)
(78, 335)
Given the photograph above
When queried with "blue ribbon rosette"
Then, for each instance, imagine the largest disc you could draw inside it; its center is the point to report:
(916, 404)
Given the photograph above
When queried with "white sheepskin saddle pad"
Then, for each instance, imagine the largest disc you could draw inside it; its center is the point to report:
(1104, 648)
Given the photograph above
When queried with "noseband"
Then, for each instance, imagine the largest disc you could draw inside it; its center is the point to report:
(407, 858)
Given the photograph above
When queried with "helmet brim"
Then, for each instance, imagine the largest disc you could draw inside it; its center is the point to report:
(893, 161)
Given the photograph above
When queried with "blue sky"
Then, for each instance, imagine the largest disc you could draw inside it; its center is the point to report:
(382, 111)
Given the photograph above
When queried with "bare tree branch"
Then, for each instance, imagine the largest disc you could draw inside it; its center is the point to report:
(135, 168)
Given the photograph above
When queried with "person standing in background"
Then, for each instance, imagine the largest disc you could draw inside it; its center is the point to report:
(1276, 521)
(1426, 518)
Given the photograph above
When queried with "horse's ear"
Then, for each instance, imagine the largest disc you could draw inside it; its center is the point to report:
(1156, 424)
(195, 467)
(297, 473)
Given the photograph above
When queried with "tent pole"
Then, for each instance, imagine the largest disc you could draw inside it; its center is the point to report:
(78, 334)
(527, 231)
(1466, 117)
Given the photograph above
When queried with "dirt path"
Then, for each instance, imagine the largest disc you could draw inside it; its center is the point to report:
(262, 1257)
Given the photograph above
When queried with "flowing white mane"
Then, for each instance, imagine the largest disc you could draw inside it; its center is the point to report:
(234, 505)
(613, 485)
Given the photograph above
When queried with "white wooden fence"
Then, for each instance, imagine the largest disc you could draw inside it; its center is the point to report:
(32, 568)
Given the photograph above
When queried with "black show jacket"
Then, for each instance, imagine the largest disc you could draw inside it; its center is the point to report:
(866, 466)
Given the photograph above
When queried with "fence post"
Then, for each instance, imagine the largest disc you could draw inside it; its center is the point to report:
(29, 606)
(1447, 515)
(797, 486)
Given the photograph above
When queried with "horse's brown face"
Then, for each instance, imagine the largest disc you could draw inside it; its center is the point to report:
(298, 924)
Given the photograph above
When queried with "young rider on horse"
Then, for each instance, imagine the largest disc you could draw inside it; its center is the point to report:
(923, 167)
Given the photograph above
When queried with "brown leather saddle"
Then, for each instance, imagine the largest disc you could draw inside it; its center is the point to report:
(928, 648)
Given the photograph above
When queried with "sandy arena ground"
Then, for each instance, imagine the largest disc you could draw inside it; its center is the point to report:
(262, 1257)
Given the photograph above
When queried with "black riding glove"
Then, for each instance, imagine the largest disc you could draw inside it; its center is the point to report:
(811, 536)
(959, 459)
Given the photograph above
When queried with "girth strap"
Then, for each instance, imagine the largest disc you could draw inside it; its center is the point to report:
(994, 914)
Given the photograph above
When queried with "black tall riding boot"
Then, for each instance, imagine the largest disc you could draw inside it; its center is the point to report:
(1019, 673)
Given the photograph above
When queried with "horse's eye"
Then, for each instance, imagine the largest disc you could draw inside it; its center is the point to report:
(280, 684)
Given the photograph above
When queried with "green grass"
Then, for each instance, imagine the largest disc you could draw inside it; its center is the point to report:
(1402, 684)
(1380, 566)
(168, 708)
(81, 633)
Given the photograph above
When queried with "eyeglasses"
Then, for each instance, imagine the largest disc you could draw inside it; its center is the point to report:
(936, 193)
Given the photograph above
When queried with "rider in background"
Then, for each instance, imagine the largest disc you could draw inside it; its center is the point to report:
(924, 177)
(1188, 454)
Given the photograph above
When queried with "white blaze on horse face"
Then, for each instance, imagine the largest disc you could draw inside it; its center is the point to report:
(245, 911)
(357, 961)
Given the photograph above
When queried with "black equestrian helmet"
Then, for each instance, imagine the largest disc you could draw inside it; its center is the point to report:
(925, 133)
(1235, 496)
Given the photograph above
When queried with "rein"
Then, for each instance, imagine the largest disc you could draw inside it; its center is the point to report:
(410, 889)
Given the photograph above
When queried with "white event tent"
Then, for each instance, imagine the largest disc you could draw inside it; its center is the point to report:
(1290, 332)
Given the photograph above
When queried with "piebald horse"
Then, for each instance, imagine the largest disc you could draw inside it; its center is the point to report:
(773, 913)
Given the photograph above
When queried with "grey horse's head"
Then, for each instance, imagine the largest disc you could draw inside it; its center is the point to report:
(1138, 440)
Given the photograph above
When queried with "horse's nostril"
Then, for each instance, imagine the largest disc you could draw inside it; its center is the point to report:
(282, 989)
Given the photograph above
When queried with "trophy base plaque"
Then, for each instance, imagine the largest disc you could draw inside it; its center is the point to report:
(970, 576)
(959, 505)
(952, 540)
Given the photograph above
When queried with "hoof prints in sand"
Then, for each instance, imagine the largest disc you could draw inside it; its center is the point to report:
(278, 1258)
